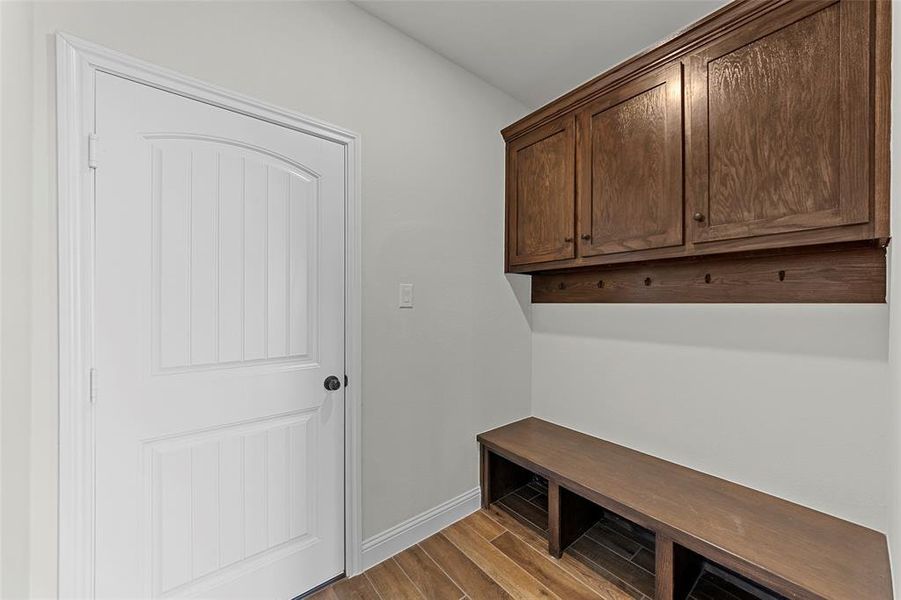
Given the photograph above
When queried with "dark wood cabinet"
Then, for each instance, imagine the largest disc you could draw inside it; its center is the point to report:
(779, 117)
(761, 130)
(630, 167)
(541, 195)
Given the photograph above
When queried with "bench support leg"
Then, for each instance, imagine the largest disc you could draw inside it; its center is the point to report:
(569, 516)
(499, 476)
(664, 568)
(676, 569)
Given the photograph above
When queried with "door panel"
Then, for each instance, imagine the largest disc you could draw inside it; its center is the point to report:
(631, 167)
(776, 114)
(212, 191)
(219, 312)
(541, 195)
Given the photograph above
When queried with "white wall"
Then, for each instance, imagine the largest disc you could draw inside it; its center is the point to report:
(16, 316)
(432, 182)
(789, 399)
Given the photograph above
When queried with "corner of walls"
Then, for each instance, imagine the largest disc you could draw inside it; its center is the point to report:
(415, 529)
(894, 300)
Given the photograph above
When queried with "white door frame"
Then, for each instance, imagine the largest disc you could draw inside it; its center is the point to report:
(77, 62)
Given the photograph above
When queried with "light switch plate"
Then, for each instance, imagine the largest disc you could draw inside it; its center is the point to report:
(406, 295)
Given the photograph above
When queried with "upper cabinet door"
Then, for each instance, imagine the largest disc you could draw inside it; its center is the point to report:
(630, 166)
(541, 194)
(779, 124)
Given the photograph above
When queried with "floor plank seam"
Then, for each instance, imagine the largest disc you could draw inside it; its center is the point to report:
(372, 584)
(442, 569)
(609, 574)
(477, 565)
(520, 517)
(562, 565)
(446, 574)
(557, 563)
(410, 577)
(510, 591)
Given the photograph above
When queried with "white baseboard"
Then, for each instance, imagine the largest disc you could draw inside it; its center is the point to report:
(412, 531)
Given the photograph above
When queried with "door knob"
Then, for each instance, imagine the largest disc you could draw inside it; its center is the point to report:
(332, 383)
(698, 217)
(586, 236)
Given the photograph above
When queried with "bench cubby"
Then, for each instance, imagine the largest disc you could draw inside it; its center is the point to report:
(701, 579)
(699, 522)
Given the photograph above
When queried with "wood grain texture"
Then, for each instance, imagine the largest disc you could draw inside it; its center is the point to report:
(542, 568)
(663, 567)
(791, 549)
(391, 581)
(645, 559)
(615, 541)
(782, 242)
(492, 556)
(555, 531)
(882, 115)
(355, 588)
(694, 36)
(513, 578)
(774, 138)
(640, 537)
(427, 575)
(484, 526)
(475, 582)
(630, 167)
(530, 513)
(820, 139)
(541, 195)
(607, 586)
(609, 561)
(778, 125)
(854, 274)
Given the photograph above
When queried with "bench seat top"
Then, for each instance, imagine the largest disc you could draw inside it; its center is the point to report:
(795, 550)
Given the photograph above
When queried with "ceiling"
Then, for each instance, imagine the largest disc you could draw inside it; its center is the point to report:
(535, 50)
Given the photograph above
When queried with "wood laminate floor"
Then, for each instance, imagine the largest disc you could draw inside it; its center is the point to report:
(501, 553)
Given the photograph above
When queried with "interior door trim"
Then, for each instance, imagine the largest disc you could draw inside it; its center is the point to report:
(77, 63)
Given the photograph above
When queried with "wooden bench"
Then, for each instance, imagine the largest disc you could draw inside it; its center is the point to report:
(795, 551)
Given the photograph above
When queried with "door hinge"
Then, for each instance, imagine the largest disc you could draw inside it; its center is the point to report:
(93, 385)
(92, 150)
(346, 380)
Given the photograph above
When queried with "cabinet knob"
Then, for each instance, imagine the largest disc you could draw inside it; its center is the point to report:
(586, 236)
(698, 217)
(568, 240)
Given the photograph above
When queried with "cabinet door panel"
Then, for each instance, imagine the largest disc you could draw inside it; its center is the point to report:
(541, 195)
(778, 124)
(630, 181)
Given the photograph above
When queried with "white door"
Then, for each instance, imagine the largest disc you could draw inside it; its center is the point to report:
(219, 270)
